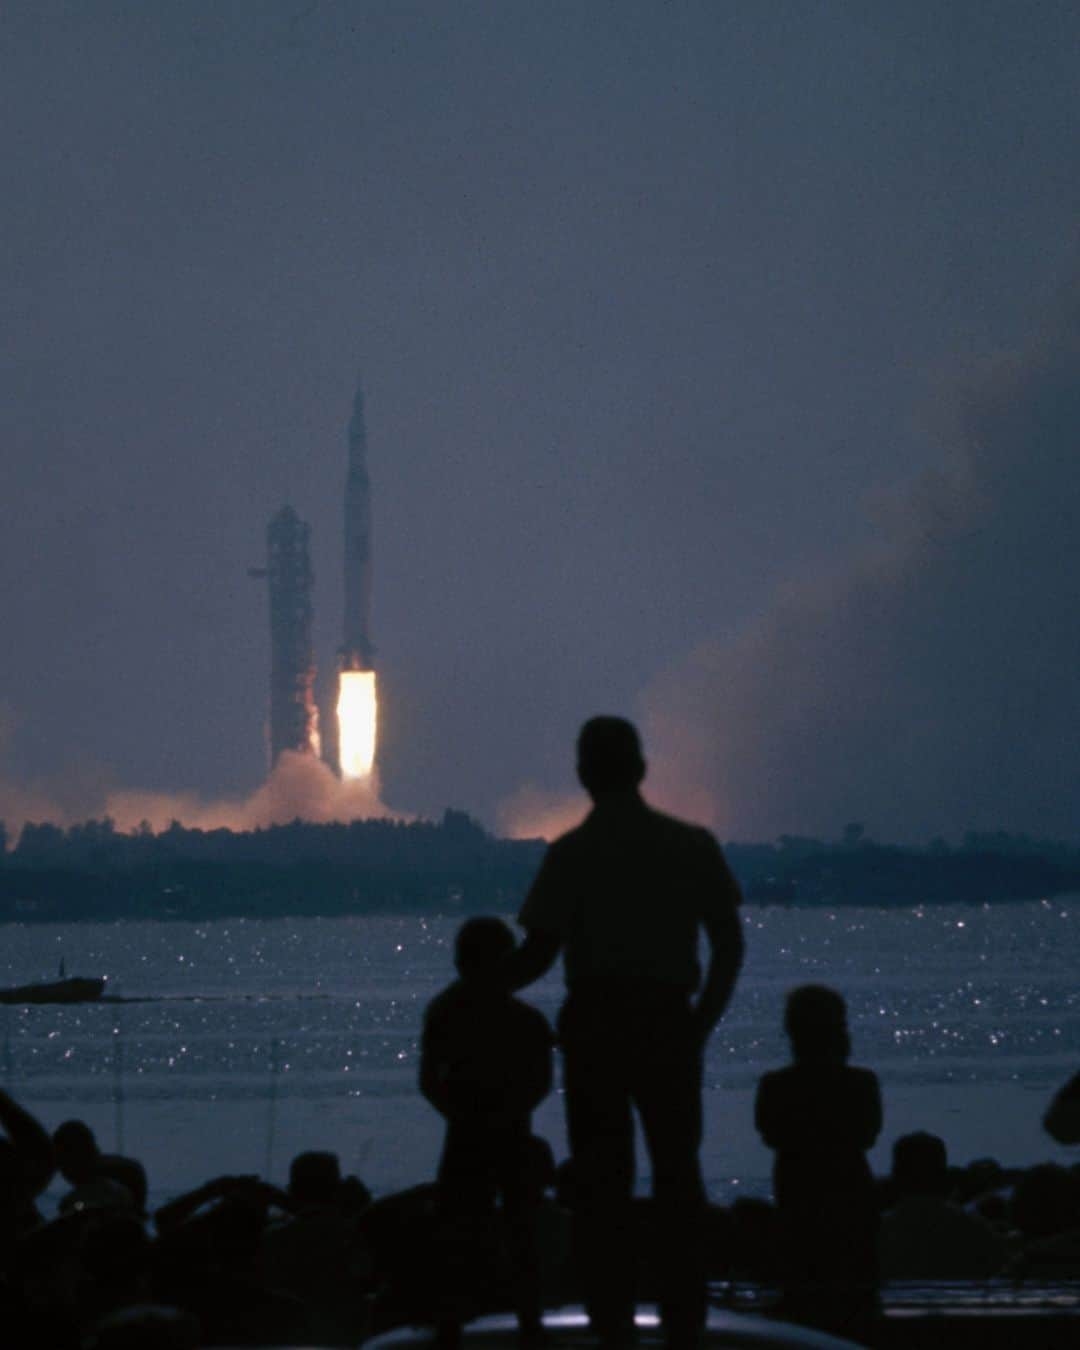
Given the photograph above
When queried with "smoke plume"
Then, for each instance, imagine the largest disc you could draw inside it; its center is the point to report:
(534, 812)
(299, 787)
(932, 686)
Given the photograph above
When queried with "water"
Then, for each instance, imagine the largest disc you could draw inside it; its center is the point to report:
(233, 1045)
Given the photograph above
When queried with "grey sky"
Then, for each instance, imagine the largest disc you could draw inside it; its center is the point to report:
(650, 300)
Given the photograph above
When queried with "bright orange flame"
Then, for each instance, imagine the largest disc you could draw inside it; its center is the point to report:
(358, 717)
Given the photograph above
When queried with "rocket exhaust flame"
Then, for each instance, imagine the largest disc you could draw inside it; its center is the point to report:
(358, 717)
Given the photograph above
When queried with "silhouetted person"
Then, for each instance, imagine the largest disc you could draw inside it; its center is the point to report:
(624, 897)
(924, 1236)
(1045, 1209)
(820, 1115)
(26, 1168)
(1062, 1119)
(317, 1251)
(82, 1164)
(207, 1255)
(485, 1065)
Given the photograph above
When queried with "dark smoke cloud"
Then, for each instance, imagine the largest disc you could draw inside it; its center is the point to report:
(932, 687)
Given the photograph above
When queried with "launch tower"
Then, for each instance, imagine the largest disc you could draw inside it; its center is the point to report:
(294, 717)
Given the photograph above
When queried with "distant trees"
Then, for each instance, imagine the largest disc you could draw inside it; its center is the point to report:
(93, 870)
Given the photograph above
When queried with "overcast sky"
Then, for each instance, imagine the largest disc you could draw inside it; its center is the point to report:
(664, 312)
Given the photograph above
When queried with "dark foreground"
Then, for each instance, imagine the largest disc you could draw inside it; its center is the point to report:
(916, 1318)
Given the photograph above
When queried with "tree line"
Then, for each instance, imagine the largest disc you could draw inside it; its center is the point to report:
(95, 871)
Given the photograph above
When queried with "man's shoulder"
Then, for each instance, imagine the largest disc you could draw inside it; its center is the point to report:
(683, 831)
(568, 841)
(685, 843)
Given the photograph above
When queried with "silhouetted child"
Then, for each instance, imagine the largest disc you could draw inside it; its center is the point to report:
(485, 1064)
(820, 1116)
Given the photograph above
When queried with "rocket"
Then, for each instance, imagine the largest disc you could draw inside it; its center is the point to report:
(357, 648)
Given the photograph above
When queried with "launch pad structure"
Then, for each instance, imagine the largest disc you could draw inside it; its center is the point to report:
(294, 715)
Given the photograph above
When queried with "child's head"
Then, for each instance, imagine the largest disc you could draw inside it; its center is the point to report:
(920, 1165)
(314, 1178)
(480, 945)
(815, 1019)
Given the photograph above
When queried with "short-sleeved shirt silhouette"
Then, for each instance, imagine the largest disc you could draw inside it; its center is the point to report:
(488, 1054)
(820, 1119)
(627, 892)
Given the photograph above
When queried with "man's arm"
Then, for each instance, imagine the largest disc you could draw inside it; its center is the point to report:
(544, 918)
(723, 929)
(431, 1080)
(251, 1189)
(31, 1142)
(1062, 1120)
(872, 1117)
(534, 958)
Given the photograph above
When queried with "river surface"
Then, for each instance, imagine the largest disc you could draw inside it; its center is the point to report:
(232, 1045)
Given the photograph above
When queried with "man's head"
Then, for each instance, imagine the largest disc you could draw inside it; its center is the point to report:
(76, 1151)
(609, 758)
(481, 944)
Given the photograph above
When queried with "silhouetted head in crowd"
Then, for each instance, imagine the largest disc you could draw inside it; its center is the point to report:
(920, 1165)
(1046, 1200)
(979, 1177)
(609, 758)
(76, 1151)
(480, 946)
(815, 1019)
(314, 1179)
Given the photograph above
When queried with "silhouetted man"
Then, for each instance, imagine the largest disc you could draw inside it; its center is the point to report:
(624, 897)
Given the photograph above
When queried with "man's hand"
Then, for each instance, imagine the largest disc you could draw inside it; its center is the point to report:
(726, 947)
(531, 960)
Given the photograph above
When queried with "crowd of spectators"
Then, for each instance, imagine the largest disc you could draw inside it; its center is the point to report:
(239, 1261)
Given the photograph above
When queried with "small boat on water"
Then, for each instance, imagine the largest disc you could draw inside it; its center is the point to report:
(71, 989)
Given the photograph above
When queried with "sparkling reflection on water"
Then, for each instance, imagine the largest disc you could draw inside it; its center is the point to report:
(325, 1013)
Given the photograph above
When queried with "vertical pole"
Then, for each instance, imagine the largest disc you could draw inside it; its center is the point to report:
(271, 1121)
(118, 1085)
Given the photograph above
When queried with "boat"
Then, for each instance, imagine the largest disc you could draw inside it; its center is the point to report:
(72, 989)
